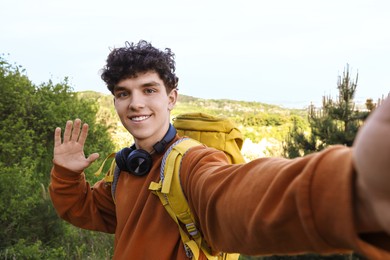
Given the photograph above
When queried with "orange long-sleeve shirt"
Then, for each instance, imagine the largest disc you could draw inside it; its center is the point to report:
(267, 206)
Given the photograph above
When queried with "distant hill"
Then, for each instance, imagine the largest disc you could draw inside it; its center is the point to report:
(264, 126)
(231, 108)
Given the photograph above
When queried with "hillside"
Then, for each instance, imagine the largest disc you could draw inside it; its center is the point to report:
(264, 126)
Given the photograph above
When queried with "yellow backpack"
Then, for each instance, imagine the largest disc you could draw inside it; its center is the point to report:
(218, 132)
(198, 128)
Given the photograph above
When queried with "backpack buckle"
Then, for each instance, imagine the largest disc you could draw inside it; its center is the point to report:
(189, 253)
(192, 230)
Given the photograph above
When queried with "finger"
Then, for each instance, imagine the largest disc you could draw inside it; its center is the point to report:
(57, 136)
(68, 131)
(93, 157)
(384, 109)
(84, 134)
(76, 130)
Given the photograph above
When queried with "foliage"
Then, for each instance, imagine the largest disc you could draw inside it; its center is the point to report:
(305, 257)
(336, 122)
(22, 250)
(29, 226)
(299, 141)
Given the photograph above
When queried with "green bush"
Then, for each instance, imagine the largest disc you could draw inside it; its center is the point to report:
(29, 225)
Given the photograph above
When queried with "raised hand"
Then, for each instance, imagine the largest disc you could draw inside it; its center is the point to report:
(69, 153)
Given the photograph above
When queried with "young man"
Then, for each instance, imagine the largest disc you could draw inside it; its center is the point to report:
(336, 200)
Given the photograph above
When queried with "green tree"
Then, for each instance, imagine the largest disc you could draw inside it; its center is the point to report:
(298, 140)
(336, 122)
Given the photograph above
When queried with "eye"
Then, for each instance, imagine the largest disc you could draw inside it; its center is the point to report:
(149, 90)
(121, 94)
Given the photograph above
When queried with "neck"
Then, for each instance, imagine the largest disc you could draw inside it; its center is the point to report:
(158, 144)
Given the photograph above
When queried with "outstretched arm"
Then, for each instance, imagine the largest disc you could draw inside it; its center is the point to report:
(300, 205)
(69, 152)
(371, 156)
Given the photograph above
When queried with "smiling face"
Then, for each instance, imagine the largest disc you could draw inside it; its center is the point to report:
(143, 106)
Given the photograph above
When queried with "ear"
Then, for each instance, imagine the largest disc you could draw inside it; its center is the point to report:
(172, 96)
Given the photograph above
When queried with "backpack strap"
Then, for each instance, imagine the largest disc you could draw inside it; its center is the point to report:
(170, 192)
(109, 177)
(116, 171)
(112, 175)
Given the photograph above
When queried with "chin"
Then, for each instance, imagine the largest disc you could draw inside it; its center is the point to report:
(140, 134)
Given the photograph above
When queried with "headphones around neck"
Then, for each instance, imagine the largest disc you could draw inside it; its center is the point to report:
(138, 161)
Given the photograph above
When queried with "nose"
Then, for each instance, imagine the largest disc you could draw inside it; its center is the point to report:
(136, 102)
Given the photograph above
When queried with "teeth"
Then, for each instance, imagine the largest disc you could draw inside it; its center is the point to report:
(139, 118)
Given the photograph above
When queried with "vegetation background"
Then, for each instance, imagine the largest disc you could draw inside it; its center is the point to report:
(29, 226)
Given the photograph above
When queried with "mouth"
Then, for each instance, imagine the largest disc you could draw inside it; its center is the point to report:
(139, 118)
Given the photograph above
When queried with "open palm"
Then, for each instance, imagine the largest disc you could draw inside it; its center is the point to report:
(69, 152)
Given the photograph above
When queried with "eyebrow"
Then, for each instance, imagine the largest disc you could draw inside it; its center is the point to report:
(151, 83)
(118, 88)
(144, 85)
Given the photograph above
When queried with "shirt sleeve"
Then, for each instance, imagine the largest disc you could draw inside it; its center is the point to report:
(277, 205)
(80, 204)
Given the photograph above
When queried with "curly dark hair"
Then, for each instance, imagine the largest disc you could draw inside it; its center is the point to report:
(129, 61)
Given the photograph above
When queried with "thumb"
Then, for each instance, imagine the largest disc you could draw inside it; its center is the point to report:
(91, 158)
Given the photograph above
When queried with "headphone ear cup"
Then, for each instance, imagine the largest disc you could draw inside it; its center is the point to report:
(139, 162)
(121, 158)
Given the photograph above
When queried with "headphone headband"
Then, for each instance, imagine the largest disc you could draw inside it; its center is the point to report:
(159, 147)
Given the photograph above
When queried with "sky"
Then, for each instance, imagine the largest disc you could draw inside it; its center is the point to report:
(282, 52)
